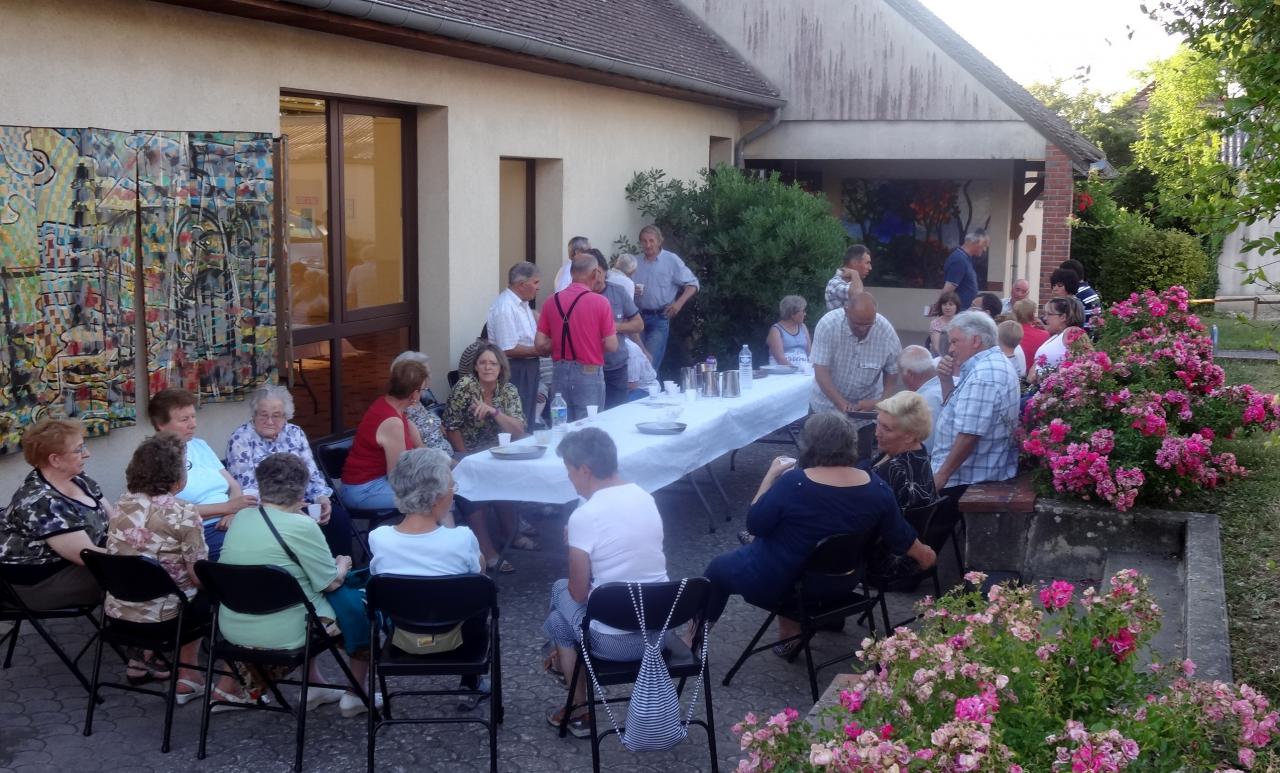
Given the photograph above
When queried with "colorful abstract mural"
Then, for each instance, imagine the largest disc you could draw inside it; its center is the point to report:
(68, 234)
(83, 214)
(912, 226)
(205, 215)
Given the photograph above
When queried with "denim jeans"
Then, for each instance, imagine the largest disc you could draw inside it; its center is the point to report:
(372, 495)
(656, 329)
(580, 385)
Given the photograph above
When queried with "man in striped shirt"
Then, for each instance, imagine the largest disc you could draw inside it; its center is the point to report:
(1086, 294)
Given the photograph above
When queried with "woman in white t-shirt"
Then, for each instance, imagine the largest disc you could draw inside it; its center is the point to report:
(423, 545)
(616, 536)
(1059, 315)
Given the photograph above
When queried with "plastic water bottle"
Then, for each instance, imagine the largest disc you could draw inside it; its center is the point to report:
(559, 413)
(1214, 335)
(745, 366)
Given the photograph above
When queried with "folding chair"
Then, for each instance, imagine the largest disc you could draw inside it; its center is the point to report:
(434, 605)
(13, 609)
(839, 559)
(931, 531)
(264, 590)
(331, 456)
(141, 578)
(611, 604)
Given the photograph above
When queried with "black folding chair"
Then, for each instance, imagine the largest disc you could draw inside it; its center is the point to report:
(140, 578)
(264, 590)
(611, 604)
(435, 605)
(931, 531)
(14, 610)
(831, 587)
(331, 456)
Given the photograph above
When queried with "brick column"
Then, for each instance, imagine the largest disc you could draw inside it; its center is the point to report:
(1058, 198)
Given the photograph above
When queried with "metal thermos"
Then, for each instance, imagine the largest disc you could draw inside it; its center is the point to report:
(689, 380)
(730, 384)
(710, 384)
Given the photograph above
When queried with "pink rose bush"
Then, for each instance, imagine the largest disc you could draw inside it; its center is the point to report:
(1021, 680)
(1136, 416)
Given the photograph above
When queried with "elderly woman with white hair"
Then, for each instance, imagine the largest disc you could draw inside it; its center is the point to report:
(269, 431)
(788, 338)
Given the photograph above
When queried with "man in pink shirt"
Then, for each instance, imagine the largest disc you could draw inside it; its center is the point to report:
(576, 328)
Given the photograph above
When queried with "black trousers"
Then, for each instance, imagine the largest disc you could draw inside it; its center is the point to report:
(615, 387)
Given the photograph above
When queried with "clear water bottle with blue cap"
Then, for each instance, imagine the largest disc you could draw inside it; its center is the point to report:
(559, 413)
(745, 366)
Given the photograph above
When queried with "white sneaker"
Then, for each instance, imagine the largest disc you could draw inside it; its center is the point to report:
(319, 696)
(352, 706)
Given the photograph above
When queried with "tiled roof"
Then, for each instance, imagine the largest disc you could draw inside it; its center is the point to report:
(1082, 153)
(651, 40)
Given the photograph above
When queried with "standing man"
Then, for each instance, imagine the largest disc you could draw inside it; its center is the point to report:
(1021, 289)
(920, 375)
(514, 329)
(664, 284)
(973, 441)
(563, 276)
(848, 278)
(626, 320)
(855, 361)
(576, 328)
(958, 272)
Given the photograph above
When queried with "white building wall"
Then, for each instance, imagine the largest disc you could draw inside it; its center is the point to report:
(129, 64)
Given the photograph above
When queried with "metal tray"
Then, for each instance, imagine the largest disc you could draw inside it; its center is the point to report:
(781, 370)
(516, 453)
(661, 427)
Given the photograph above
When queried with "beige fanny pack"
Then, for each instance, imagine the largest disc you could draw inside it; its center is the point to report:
(427, 643)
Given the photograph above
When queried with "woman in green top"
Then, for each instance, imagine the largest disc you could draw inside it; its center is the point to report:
(282, 482)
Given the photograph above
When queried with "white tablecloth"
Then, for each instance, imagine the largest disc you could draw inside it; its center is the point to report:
(717, 426)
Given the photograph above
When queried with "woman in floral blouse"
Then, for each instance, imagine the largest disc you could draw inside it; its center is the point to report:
(57, 512)
(481, 406)
(270, 431)
(427, 422)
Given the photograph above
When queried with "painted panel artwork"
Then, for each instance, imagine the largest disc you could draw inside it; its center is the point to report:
(912, 226)
(83, 214)
(68, 229)
(205, 215)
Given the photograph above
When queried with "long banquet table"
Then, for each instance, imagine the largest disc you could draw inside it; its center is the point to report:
(716, 426)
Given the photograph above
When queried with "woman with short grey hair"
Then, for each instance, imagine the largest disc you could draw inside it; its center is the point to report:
(426, 420)
(788, 339)
(423, 543)
(270, 431)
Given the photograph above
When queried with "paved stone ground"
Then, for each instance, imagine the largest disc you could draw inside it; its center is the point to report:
(42, 707)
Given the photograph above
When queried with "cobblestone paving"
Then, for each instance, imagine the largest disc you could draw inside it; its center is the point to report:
(42, 706)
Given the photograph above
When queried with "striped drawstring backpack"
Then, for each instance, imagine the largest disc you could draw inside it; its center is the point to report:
(653, 715)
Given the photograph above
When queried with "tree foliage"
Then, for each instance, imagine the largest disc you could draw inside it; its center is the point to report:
(750, 241)
(1243, 38)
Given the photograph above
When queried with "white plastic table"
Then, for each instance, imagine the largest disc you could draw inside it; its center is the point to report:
(716, 426)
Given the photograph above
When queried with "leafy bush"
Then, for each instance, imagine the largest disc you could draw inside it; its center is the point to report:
(1001, 684)
(1138, 417)
(1125, 253)
(750, 241)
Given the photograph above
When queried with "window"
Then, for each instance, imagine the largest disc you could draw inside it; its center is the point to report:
(349, 182)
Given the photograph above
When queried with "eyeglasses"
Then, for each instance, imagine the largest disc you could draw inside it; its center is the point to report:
(271, 417)
(80, 450)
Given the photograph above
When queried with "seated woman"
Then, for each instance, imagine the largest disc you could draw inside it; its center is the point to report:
(270, 431)
(1059, 314)
(57, 512)
(903, 424)
(788, 339)
(425, 544)
(615, 536)
(282, 483)
(151, 521)
(216, 495)
(795, 508)
(383, 434)
(480, 406)
(427, 422)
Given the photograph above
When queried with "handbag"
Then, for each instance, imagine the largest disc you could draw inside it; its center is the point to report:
(347, 601)
(653, 712)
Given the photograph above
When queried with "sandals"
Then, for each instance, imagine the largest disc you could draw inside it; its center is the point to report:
(786, 650)
(524, 542)
(143, 670)
(183, 698)
(499, 565)
(237, 701)
(579, 726)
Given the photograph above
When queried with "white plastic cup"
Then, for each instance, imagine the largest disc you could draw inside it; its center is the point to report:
(542, 436)
(315, 510)
(504, 438)
(592, 410)
(690, 395)
(672, 387)
(654, 389)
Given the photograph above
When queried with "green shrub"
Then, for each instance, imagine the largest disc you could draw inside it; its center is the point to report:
(750, 241)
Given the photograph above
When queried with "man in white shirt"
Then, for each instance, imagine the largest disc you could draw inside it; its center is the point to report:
(640, 372)
(1021, 289)
(563, 277)
(919, 374)
(513, 328)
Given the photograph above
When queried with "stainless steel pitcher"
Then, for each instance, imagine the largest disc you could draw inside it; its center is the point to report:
(729, 384)
(710, 384)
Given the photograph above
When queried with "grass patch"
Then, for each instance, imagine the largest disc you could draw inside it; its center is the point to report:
(1249, 512)
(1240, 332)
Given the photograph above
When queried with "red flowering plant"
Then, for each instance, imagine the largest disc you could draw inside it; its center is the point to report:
(1019, 682)
(1135, 416)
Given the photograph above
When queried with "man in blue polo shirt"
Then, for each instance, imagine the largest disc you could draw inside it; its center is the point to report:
(958, 273)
